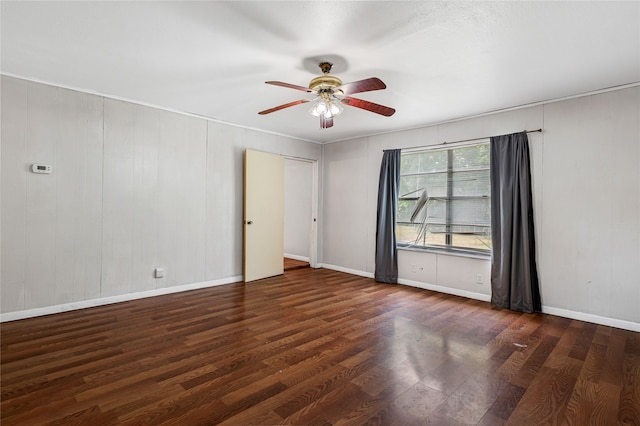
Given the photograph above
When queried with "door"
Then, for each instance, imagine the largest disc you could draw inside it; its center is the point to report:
(263, 215)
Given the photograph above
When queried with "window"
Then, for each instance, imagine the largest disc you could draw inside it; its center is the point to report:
(445, 199)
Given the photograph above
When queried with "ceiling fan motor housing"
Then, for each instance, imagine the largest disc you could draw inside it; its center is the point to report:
(325, 81)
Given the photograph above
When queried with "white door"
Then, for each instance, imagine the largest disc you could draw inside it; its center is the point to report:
(263, 215)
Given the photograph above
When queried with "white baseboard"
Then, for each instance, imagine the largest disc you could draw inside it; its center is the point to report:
(296, 257)
(29, 313)
(346, 270)
(72, 306)
(596, 319)
(447, 290)
(565, 313)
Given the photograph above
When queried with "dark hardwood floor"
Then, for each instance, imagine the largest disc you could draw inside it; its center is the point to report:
(291, 264)
(316, 347)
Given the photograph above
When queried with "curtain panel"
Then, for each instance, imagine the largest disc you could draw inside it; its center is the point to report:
(514, 275)
(386, 268)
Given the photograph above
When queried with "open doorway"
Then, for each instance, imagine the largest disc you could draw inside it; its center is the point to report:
(299, 213)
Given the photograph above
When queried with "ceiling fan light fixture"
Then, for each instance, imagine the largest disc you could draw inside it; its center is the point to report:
(328, 109)
(335, 107)
(327, 106)
(318, 107)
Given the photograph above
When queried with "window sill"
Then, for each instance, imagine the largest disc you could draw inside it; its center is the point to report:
(457, 253)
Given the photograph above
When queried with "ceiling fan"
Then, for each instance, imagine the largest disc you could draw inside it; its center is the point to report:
(331, 94)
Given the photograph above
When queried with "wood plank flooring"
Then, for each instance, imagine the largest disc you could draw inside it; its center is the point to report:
(291, 264)
(316, 347)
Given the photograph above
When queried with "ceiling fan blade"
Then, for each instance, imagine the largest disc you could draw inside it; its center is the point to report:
(325, 123)
(369, 106)
(278, 108)
(366, 85)
(290, 86)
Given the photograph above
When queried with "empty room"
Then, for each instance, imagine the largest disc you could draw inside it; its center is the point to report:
(320, 213)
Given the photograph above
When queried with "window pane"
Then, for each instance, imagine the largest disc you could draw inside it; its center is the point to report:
(471, 157)
(472, 211)
(412, 186)
(437, 212)
(406, 233)
(434, 211)
(423, 162)
(409, 163)
(405, 207)
(415, 234)
(473, 182)
(409, 186)
(476, 238)
(436, 237)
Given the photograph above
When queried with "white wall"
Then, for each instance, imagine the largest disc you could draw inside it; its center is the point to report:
(585, 171)
(133, 188)
(298, 177)
(590, 211)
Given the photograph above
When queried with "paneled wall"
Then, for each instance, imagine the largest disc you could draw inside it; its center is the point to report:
(586, 177)
(51, 237)
(154, 198)
(133, 188)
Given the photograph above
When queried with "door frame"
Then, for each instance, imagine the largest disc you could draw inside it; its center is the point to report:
(313, 232)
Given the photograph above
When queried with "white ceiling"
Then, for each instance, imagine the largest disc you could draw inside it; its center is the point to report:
(440, 60)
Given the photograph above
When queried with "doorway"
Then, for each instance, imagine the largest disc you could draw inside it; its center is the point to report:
(300, 195)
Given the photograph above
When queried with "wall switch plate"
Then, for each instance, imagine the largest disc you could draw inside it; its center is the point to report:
(158, 273)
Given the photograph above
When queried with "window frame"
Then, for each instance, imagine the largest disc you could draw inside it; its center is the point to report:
(448, 247)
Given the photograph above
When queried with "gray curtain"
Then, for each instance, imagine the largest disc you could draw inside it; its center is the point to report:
(514, 276)
(386, 252)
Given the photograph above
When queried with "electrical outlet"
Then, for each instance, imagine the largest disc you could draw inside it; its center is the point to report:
(478, 278)
(413, 268)
(158, 273)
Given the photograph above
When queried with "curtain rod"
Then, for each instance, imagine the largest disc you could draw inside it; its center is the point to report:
(488, 137)
(464, 140)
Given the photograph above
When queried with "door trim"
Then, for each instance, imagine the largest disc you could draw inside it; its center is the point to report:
(313, 232)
